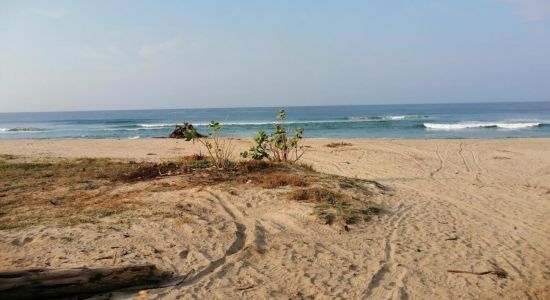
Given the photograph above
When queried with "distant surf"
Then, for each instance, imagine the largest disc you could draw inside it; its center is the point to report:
(470, 125)
(388, 118)
(21, 129)
(246, 123)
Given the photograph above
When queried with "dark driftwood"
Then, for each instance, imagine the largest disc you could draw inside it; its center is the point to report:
(49, 283)
(499, 273)
(180, 130)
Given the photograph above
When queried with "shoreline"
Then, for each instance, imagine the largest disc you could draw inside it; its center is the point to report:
(306, 138)
(164, 148)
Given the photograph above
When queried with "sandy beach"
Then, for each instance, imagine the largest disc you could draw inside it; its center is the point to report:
(450, 205)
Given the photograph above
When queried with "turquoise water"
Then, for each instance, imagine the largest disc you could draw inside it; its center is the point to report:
(481, 120)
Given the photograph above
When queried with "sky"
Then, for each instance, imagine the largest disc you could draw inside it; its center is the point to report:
(101, 55)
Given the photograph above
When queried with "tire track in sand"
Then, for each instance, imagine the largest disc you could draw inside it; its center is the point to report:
(241, 240)
(387, 281)
(441, 161)
(460, 150)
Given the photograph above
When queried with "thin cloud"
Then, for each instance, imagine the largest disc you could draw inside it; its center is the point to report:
(51, 14)
(148, 50)
(108, 52)
(532, 10)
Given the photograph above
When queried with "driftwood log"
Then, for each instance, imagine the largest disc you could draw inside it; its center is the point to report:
(79, 282)
(180, 130)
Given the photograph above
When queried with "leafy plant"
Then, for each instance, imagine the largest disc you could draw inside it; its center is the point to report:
(259, 149)
(219, 150)
(278, 146)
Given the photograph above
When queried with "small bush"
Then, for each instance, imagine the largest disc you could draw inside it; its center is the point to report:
(219, 150)
(278, 146)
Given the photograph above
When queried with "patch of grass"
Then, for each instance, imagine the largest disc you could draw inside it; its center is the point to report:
(274, 179)
(194, 157)
(194, 161)
(67, 239)
(67, 191)
(338, 144)
(8, 156)
(332, 206)
(76, 191)
(305, 167)
(257, 165)
(315, 194)
(147, 171)
(5, 165)
(199, 164)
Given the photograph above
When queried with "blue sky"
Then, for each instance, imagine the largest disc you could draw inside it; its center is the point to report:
(87, 55)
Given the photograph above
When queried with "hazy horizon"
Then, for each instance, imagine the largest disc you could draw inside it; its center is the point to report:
(135, 55)
(278, 106)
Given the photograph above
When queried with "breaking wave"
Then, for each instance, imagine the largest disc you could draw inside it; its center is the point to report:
(252, 123)
(470, 125)
(388, 118)
(21, 129)
(155, 125)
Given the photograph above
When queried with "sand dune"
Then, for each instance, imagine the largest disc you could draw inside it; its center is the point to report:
(464, 205)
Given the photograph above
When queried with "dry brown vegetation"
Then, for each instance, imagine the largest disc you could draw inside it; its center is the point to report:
(71, 192)
(338, 144)
(67, 192)
(332, 205)
(273, 179)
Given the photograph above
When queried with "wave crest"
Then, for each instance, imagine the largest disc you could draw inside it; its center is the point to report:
(22, 129)
(470, 125)
(388, 118)
(162, 125)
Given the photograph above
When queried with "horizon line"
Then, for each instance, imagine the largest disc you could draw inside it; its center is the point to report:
(287, 106)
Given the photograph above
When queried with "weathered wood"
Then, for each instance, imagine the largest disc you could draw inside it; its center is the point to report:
(180, 130)
(51, 283)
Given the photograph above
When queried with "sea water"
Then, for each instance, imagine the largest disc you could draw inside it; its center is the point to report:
(465, 120)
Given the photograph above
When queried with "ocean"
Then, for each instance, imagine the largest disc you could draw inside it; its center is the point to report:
(465, 120)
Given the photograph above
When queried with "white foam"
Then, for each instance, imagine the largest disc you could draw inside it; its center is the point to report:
(387, 118)
(155, 125)
(22, 129)
(134, 137)
(469, 125)
(245, 123)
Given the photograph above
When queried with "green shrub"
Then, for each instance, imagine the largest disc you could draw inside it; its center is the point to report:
(278, 146)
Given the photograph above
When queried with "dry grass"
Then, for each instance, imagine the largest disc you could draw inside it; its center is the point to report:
(273, 179)
(338, 144)
(332, 205)
(316, 195)
(68, 192)
(194, 157)
(258, 165)
(84, 190)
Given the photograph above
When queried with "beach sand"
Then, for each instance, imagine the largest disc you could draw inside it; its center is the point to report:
(465, 205)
